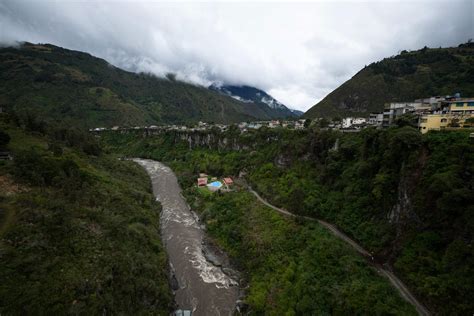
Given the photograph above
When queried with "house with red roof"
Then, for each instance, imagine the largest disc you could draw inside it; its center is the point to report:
(202, 182)
(228, 181)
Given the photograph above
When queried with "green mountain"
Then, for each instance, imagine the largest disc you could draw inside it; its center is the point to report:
(407, 76)
(54, 83)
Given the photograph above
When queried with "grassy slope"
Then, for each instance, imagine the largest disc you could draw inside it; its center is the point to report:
(78, 234)
(405, 77)
(64, 85)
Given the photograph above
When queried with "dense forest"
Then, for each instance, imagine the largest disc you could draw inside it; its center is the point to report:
(406, 197)
(78, 228)
(63, 85)
(294, 267)
(407, 76)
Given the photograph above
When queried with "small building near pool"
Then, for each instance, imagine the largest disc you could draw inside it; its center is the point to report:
(228, 181)
(202, 182)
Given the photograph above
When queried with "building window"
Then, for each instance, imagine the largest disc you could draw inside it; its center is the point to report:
(424, 127)
(459, 104)
(423, 120)
(444, 120)
(470, 104)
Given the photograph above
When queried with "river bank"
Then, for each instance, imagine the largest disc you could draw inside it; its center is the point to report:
(203, 280)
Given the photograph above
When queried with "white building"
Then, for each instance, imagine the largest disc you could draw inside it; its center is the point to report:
(348, 122)
(375, 119)
(299, 125)
(359, 121)
(274, 124)
(395, 109)
(255, 125)
(243, 125)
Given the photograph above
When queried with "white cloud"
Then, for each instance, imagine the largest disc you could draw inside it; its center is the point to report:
(298, 52)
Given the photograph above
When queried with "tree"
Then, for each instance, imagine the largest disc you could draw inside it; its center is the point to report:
(307, 123)
(295, 200)
(171, 76)
(469, 122)
(323, 123)
(454, 123)
(407, 119)
(4, 139)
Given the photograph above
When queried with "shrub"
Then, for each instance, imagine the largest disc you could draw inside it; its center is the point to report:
(4, 139)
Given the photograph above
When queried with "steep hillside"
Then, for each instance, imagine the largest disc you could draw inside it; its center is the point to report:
(59, 84)
(79, 229)
(253, 95)
(410, 75)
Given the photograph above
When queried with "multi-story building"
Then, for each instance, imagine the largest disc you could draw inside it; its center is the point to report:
(393, 110)
(461, 106)
(375, 119)
(348, 122)
(433, 122)
(452, 114)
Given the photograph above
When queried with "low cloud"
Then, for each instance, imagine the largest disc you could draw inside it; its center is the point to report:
(296, 52)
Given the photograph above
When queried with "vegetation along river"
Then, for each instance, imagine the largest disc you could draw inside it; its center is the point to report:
(202, 281)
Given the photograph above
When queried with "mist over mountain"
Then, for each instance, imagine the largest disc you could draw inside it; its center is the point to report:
(70, 86)
(320, 45)
(249, 94)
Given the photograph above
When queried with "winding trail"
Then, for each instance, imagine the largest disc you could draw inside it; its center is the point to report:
(396, 282)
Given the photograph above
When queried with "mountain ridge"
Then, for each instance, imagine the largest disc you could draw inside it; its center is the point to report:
(58, 84)
(404, 77)
(250, 94)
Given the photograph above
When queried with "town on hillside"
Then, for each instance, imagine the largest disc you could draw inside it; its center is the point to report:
(433, 113)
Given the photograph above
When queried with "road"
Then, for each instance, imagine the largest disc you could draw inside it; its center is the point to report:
(396, 282)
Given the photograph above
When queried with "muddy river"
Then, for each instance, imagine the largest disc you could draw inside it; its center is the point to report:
(203, 281)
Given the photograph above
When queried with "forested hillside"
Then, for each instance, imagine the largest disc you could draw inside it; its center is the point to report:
(406, 197)
(57, 84)
(79, 230)
(405, 77)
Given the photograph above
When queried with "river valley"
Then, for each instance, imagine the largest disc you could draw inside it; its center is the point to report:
(203, 281)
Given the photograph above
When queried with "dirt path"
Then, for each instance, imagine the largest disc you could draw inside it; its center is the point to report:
(396, 282)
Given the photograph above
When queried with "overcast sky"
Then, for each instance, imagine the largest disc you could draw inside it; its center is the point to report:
(297, 52)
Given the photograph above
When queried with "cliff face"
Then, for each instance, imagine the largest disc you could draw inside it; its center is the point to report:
(211, 141)
(206, 139)
(402, 216)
